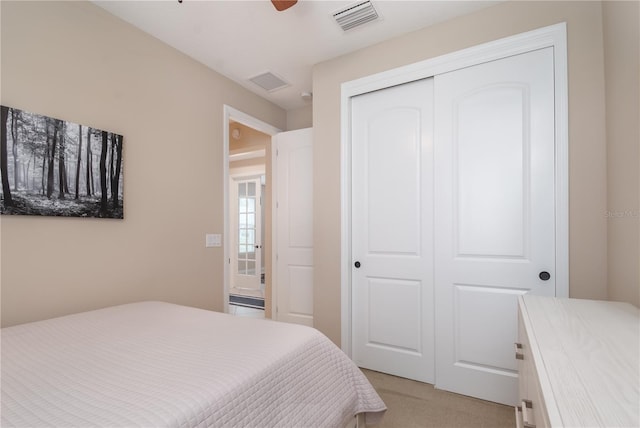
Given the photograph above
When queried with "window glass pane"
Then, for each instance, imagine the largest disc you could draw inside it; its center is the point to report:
(251, 221)
(251, 268)
(252, 189)
(242, 267)
(242, 251)
(242, 205)
(242, 189)
(251, 237)
(242, 236)
(251, 205)
(242, 220)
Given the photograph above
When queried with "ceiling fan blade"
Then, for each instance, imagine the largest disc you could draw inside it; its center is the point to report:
(281, 5)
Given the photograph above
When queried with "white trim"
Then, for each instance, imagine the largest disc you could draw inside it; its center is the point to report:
(274, 227)
(230, 113)
(247, 155)
(248, 171)
(552, 36)
(561, 75)
(345, 222)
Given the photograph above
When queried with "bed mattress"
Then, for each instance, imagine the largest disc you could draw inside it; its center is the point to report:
(154, 364)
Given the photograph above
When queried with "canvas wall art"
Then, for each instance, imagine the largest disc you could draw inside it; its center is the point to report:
(51, 167)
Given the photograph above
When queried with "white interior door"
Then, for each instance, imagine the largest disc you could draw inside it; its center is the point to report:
(293, 281)
(392, 230)
(246, 214)
(494, 217)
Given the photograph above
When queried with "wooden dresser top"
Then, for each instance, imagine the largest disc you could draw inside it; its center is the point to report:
(587, 355)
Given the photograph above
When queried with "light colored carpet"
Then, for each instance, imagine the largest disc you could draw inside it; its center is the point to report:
(415, 404)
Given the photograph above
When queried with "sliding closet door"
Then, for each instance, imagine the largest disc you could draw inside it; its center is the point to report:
(494, 217)
(392, 230)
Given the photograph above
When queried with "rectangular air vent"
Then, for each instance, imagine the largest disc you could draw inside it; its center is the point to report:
(355, 15)
(269, 81)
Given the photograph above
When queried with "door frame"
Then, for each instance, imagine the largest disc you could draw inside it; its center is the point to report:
(230, 113)
(552, 36)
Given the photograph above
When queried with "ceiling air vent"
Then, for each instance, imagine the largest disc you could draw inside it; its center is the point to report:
(269, 81)
(355, 15)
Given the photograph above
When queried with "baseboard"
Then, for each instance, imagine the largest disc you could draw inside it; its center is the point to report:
(246, 301)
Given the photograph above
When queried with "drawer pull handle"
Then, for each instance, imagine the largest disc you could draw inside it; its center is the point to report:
(519, 421)
(526, 413)
(519, 355)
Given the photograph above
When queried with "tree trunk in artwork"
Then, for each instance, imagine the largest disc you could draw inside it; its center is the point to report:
(45, 157)
(6, 191)
(115, 188)
(62, 176)
(79, 161)
(52, 157)
(33, 177)
(112, 149)
(25, 175)
(103, 173)
(64, 160)
(89, 192)
(14, 149)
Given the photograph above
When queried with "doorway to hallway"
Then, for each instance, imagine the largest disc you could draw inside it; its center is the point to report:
(247, 210)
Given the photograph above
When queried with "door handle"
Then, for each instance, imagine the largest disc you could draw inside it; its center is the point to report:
(357, 265)
(544, 275)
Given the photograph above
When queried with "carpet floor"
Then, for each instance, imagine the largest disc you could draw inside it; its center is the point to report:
(415, 404)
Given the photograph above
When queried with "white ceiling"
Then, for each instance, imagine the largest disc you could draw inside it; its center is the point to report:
(241, 39)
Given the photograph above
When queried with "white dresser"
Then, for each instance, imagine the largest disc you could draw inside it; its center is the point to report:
(578, 363)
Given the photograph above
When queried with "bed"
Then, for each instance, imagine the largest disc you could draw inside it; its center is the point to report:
(155, 364)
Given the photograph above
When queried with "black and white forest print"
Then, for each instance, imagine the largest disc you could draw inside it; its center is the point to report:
(51, 167)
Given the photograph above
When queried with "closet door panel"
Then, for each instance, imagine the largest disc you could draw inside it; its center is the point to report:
(392, 230)
(494, 216)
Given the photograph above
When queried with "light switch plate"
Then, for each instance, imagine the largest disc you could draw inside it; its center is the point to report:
(213, 240)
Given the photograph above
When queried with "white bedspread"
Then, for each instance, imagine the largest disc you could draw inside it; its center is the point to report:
(155, 364)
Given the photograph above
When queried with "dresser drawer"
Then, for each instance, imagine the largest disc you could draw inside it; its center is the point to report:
(531, 410)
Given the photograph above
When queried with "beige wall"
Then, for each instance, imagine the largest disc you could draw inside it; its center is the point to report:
(622, 75)
(300, 118)
(587, 151)
(73, 61)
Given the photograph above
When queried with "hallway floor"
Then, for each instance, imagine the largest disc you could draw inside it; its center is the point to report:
(241, 311)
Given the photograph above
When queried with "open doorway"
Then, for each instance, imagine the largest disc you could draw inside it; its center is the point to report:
(248, 224)
(248, 219)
